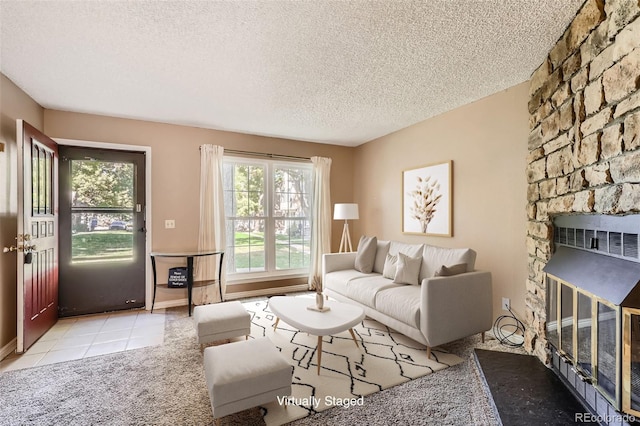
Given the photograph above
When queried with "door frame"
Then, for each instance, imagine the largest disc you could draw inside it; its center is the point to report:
(148, 284)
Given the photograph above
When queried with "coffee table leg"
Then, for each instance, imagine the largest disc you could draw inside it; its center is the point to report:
(319, 352)
(354, 337)
(275, 325)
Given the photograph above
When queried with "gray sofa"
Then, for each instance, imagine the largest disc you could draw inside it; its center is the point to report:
(438, 310)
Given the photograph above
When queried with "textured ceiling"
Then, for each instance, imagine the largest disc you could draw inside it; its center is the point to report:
(340, 72)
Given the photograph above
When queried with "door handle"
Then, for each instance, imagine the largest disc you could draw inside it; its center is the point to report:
(143, 229)
(26, 248)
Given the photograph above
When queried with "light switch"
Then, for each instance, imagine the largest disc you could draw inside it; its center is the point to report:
(169, 224)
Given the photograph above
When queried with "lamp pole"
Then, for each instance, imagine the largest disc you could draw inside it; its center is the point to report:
(345, 242)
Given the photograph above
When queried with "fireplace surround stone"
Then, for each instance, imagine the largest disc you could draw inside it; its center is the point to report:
(584, 144)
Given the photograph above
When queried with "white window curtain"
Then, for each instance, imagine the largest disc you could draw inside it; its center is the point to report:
(320, 219)
(211, 235)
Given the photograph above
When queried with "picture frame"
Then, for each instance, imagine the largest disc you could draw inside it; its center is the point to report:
(427, 200)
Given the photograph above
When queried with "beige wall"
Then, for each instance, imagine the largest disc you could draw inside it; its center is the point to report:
(176, 170)
(14, 104)
(487, 141)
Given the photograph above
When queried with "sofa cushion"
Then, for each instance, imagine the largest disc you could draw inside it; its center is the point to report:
(366, 254)
(435, 257)
(407, 269)
(364, 289)
(338, 280)
(381, 256)
(411, 250)
(390, 265)
(448, 271)
(401, 303)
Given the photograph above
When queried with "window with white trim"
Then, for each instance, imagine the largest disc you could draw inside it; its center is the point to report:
(268, 217)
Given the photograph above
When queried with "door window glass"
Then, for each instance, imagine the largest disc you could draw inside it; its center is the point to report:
(41, 180)
(102, 216)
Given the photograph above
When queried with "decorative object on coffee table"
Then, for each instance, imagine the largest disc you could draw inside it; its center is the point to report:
(319, 305)
(346, 212)
(427, 200)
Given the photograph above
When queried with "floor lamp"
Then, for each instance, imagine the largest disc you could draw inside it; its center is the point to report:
(345, 212)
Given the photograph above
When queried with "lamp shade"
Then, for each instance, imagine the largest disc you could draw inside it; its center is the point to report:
(345, 212)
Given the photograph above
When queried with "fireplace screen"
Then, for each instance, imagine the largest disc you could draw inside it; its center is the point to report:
(593, 308)
(586, 330)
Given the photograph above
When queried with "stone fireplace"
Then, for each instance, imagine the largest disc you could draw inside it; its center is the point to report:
(584, 144)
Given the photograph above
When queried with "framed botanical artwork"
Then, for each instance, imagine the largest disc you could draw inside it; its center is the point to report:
(427, 200)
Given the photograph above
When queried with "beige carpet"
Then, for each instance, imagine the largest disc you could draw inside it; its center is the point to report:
(382, 359)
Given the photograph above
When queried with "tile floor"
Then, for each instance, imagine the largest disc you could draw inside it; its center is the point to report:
(91, 335)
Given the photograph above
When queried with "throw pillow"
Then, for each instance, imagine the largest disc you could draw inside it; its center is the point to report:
(447, 271)
(366, 254)
(381, 256)
(407, 270)
(390, 265)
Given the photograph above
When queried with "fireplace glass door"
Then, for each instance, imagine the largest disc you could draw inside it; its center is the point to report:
(566, 311)
(584, 327)
(552, 312)
(607, 353)
(631, 361)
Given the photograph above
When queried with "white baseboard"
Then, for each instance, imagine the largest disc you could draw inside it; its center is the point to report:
(9, 348)
(266, 292)
(233, 296)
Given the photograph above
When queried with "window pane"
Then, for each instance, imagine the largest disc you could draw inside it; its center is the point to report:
(35, 179)
(292, 194)
(248, 246)
(293, 245)
(49, 184)
(248, 191)
(101, 237)
(42, 178)
(102, 184)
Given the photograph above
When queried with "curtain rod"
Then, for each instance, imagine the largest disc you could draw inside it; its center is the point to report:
(264, 154)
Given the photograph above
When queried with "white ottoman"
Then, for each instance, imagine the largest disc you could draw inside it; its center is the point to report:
(221, 321)
(245, 374)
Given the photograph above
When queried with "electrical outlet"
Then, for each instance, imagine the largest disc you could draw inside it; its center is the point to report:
(169, 224)
(506, 304)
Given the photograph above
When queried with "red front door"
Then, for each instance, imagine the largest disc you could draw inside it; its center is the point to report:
(37, 241)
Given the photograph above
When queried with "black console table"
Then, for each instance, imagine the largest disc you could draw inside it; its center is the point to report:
(189, 255)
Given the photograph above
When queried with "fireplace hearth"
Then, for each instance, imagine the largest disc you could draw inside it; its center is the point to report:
(593, 312)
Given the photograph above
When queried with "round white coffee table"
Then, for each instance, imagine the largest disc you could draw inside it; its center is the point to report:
(293, 311)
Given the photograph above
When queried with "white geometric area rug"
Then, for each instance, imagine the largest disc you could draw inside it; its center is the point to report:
(383, 358)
